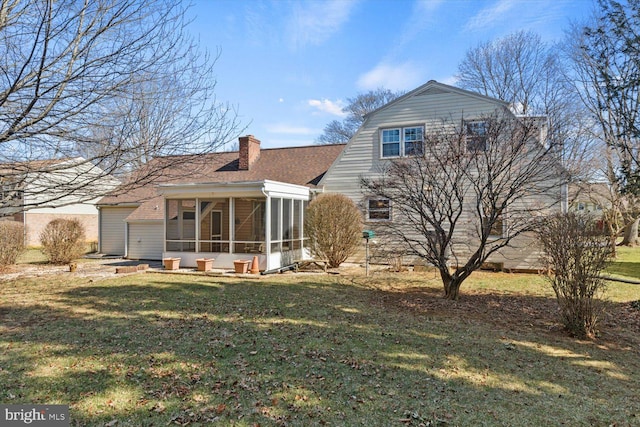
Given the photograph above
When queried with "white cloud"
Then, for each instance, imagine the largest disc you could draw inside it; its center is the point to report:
(328, 106)
(490, 15)
(395, 77)
(450, 80)
(283, 128)
(420, 19)
(316, 21)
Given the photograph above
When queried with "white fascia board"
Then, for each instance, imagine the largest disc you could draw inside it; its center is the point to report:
(204, 189)
(286, 190)
(234, 189)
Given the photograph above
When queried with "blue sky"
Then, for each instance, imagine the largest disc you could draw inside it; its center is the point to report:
(288, 66)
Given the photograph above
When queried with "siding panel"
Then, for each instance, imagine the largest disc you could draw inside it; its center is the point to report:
(431, 107)
(112, 229)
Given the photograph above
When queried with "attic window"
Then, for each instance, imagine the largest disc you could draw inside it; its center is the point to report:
(476, 135)
(399, 142)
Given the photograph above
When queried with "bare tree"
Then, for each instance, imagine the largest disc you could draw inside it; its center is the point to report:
(359, 106)
(605, 60)
(576, 252)
(116, 81)
(530, 75)
(471, 194)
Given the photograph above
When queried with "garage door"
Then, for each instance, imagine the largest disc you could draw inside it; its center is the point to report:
(112, 230)
(145, 240)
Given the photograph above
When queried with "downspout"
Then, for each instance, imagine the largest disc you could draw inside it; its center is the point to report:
(126, 239)
(25, 235)
(267, 228)
(232, 223)
(99, 229)
(197, 225)
(164, 227)
(564, 198)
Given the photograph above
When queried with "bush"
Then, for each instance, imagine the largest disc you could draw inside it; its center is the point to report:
(333, 225)
(11, 242)
(63, 240)
(576, 252)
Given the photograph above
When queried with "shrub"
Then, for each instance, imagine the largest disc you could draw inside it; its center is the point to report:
(576, 251)
(333, 225)
(63, 240)
(11, 242)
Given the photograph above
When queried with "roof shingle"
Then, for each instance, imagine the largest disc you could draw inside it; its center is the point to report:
(294, 165)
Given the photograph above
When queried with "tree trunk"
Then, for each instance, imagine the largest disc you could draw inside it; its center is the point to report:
(631, 233)
(451, 285)
(612, 243)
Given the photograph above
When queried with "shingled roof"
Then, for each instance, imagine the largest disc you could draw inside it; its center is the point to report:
(294, 165)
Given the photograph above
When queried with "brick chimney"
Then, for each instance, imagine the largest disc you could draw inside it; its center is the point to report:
(249, 151)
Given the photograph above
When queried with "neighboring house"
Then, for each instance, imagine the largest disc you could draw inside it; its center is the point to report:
(395, 131)
(38, 192)
(590, 198)
(226, 206)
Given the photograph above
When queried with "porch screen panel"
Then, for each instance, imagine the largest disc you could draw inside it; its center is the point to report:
(173, 228)
(287, 223)
(214, 225)
(249, 225)
(275, 224)
(297, 223)
(181, 225)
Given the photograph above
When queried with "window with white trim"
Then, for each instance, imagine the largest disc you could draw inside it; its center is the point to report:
(476, 135)
(398, 142)
(497, 227)
(378, 209)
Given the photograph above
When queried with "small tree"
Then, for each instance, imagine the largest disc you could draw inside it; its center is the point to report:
(358, 106)
(63, 240)
(470, 192)
(11, 242)
(576, 252)
(333, 225)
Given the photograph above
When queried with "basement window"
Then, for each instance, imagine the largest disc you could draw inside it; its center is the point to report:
(378, 209)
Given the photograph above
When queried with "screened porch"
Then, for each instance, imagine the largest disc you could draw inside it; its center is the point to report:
(264, 219)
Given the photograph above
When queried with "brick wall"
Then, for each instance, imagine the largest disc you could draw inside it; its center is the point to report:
(249, 151)
(36, 222)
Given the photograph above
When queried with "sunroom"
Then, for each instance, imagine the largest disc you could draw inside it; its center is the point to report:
(235, 221)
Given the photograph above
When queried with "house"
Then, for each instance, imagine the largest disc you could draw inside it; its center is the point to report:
(396, 130)
(37, 192)
(226, 206)
(251, 202)
(590, 198)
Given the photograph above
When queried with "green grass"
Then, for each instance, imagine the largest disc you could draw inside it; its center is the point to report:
(627, 263)
(35, 256)
(32, 256)
(305, 350)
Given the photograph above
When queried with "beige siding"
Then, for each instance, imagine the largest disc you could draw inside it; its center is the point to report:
(430, 106)
(361, 157)
(112, 229)
(145, 240)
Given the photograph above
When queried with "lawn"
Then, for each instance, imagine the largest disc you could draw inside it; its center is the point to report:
(305, 349)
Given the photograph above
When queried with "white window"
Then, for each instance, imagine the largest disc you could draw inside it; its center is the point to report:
(398, 142)
(476, 135)
(497, 227)
(378, 209)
